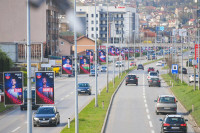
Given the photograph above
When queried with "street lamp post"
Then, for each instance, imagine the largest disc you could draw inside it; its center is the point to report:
(107, 53)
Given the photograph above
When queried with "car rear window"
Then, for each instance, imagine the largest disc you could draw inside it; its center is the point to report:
(175, 120)
(131, 76)
(83, 85)
(167, 100)
(150, 67)
(153, 74)
(45, 111)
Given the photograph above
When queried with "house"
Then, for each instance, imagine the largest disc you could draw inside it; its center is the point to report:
(64, 47)
(84, 43)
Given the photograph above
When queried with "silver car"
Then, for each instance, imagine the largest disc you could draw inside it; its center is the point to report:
(166, 104)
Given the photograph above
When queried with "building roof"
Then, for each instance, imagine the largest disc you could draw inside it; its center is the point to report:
(69, 39)
(81, 37)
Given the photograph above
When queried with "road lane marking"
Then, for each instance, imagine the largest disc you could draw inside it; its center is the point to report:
(152, 131)
(61, 99)
(150, 124)
(146, 105)
(147, 110)
(145, 100)
(148, 116)
(72, 92)
(67, 96)
(15, 129)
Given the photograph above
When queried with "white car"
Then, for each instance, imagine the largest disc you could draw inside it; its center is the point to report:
(152, 74)
(190, 55)
(119, 64)
(191, 78)
(159, 63)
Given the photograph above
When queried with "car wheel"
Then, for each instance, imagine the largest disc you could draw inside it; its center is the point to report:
(59, 121)
(22, 109)
(149, 86)
(89, 93)
(137, 84)
(157, 113)
(34, 125)
(126, 84)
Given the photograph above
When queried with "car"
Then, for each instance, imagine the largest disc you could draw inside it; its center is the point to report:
(174, 123)
(131, 79)
(119, 64)
(103, 69)
(140, 66)
(184, 70)
(166, 104)
(24, 106)
(133, 63)
(131, 58)
(84, 88)
(154, 82)
(191, 78)
(159, 63)
(152, 74)
(190, 55)
(151, 69)
(92, 72)
(46, 115)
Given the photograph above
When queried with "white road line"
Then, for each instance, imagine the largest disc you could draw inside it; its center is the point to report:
(15, 129)
(148, 116)
(152, 131)
(144, 97)
(145, 101)
(150, 124)
(72, 92)
(56, 102)
(146, 105)
(67, 96)
(61, 99)
(147, 110)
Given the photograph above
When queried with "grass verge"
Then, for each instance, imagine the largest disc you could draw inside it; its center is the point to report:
(186, 95)
(3, 108)
(91, 119)
(147, 63)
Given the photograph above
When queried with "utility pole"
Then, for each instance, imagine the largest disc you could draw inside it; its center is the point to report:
(107, 52)
(76, 74)
(182, 58)
(96, 91)
(115, 51)
(29, 95)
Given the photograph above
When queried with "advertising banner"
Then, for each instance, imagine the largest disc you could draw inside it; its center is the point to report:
(84, 64)
(102, 55)
(122, 52)
(111, 51)
(91, 54)
(44, 87)
(117, 51)
(67, 66)
(13, 88)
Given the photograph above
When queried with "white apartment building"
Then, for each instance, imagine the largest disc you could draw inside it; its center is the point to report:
(123, 22)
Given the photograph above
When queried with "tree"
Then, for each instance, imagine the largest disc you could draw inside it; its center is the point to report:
(6, 62)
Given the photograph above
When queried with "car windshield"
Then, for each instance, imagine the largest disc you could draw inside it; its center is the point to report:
(45, 111)
(131, 76)
(196, 76)
(167, 100)
(153, 74)
(83, 85)
(118, 62)
(175, 120)
(92, 70)
(104, 67)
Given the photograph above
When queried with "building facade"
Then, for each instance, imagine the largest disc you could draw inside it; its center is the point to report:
(43, 25)
(123, 22)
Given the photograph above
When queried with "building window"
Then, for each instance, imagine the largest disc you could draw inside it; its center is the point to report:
(92, 35)
(96, 35)
(97, 15)
(96, 22)
(87, 15)
(61, 43)
(96, 28)
(92, 22)
(92, 29)
(92, 15)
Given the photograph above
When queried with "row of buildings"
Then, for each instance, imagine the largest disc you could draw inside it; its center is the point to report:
(46, 22)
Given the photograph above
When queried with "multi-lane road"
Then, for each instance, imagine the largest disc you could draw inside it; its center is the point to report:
(15, 121)
(133, 109)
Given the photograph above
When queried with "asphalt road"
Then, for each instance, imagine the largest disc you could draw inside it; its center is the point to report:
(133, 109)
(16, 121)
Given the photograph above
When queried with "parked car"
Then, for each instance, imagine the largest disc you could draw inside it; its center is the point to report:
(103, 69)
(140, 66)
(133, 63)
(184, 70)
(166, 104)
(174, 123)
(159, 63)
(119, 64)
(131, 79)
(152, 74)
(46, 115)
(154, 82)
(84, 88)
(151, 69)
(24, 106)
(191, 78)
(92, 72)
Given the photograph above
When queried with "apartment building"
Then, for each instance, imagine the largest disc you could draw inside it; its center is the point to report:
(43, 26)
(123, 22)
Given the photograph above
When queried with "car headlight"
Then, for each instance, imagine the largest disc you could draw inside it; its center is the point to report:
(53, 118)
(36, 119)
(88, 89)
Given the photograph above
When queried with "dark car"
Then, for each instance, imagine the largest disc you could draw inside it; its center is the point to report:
(151, 69)
(174, 123)
(184, 70)
(140, 66)
(131, 79)
(46, 115)
(84, 88)
(24, 106)
(154, 82)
